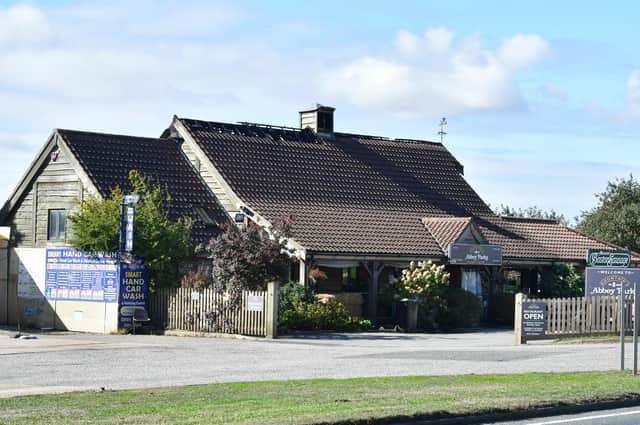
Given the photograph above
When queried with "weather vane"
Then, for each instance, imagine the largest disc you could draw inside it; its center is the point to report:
(443, 127)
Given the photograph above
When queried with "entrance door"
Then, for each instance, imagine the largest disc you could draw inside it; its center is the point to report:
(471, 281)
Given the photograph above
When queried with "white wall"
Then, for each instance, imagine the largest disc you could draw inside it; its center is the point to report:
(28, 273)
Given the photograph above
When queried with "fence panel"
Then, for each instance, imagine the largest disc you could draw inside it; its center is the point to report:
(195, 310)
(582, 316)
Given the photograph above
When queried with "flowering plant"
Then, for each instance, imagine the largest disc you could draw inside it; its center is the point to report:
(423, 279)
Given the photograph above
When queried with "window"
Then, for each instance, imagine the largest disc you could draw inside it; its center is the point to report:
(57, 225)
(325, 122)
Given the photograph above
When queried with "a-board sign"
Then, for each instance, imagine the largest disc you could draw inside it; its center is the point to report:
(534, 318)
(475, 254)
(608, 258)
(77, 276)
(606, 282)
(255, 303)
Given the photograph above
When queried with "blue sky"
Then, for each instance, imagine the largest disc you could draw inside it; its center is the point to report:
(542, 98)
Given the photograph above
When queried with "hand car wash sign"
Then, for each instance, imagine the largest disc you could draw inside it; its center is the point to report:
(133, 291)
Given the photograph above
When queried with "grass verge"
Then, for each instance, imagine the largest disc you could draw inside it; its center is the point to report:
(321, 400)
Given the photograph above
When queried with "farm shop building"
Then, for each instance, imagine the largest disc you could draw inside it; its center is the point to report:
(363, 206)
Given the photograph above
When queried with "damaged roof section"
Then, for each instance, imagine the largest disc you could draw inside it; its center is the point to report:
(108, 158)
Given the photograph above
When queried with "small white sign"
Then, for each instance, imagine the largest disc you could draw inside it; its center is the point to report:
(255, 303)
(195, 295)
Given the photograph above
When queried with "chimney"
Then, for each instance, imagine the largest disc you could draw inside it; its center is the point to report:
(318, 117)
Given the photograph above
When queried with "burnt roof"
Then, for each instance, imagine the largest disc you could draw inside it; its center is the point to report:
(365, 195)
(108, 158)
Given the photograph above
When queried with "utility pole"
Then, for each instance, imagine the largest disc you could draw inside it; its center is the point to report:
(443, 127)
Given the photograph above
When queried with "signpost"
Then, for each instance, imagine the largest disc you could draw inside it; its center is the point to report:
(608, 274)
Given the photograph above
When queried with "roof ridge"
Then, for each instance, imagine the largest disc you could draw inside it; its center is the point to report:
(99, 133)
(299, 130)
(531, 219)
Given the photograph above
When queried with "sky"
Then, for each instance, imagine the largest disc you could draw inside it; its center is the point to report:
(542, 98)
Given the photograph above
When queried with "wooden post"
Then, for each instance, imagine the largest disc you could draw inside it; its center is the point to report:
(4, 282)
(273, 296)
(517, 320)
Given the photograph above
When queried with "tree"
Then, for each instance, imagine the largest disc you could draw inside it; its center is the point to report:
(532, 212)
(244, 259)
(616, 218)
(562, 280)
(163, 243)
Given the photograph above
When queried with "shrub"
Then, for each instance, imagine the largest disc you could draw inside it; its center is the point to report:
(426, 282)
(195, 280)
(300, 311)
(423, 280)
(462, 309)
(502, 308)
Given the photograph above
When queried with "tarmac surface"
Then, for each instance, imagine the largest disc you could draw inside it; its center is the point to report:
(625, 416)
(59, 362)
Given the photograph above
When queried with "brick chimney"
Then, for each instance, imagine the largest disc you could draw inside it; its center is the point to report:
(318, 117)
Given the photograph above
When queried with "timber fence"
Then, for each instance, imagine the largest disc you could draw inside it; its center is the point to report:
(579, 316)
(208, 311)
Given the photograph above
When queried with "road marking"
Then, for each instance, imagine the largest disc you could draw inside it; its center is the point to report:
(587, 418)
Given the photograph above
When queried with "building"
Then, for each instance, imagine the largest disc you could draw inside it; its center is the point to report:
(363, 206)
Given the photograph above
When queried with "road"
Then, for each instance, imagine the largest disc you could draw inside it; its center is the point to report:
(628, 416)
(71, 361)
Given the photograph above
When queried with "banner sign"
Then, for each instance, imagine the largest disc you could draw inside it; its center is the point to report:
(133, 291)
(128, 244)
(534, 318)
(605, 281)
(608, 258)
(76, 276)
(475, 254)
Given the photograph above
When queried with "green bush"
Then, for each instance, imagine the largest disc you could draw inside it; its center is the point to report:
(301, 311)
(451, 308)
(502, 308)
(462, 309)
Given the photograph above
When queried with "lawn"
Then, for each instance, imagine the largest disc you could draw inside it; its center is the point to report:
(319, 400)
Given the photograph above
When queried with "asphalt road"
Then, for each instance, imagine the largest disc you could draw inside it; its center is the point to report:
(63, 362)
(628, 416)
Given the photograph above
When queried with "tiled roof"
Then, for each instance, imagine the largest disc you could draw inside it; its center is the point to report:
(357, 194)
(446, 230)
(559, 241)
(108, 158)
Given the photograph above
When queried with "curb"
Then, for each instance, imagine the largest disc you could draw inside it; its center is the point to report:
(443, 418)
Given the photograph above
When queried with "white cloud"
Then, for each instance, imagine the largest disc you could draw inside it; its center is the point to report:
(633, 91)
(523, 50)
(431, 75)
(23, 24)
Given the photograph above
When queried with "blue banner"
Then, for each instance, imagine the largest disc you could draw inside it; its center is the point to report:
(133, 291)
(131, 213)
(76, 276)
